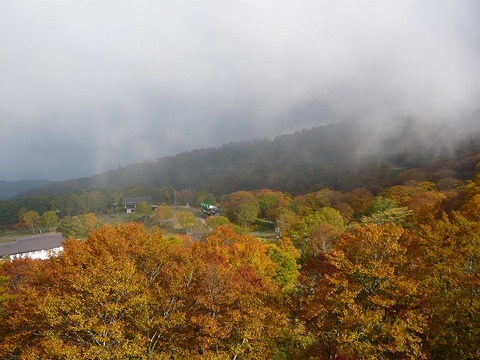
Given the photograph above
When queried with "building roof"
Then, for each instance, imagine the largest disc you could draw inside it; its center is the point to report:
(27, 244)
(135, 200)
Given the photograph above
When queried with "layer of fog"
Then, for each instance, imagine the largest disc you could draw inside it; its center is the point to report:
(89, 86)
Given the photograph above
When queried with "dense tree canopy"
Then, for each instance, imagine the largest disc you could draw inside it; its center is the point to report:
(242, 207)
(124, 293)
(356, 274)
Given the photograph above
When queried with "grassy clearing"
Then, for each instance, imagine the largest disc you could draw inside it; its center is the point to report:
(262, 229)
(11, 235)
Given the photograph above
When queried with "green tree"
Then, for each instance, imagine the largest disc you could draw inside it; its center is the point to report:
(82, 203)
(204, 197)
(144, 209)
(49, 220)
(381, 204)
(186, 219)
(32, 220)
(215, 221)
(97, 201)
(285, 255)
(306, 227)
(397, 215)
(67, 204)
(271, 202)
(72, 227)
(242, 208)
(246, 214)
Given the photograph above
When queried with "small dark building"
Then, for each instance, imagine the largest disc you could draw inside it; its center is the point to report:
(130, 203)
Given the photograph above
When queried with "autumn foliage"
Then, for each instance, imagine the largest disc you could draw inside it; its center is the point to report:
(354, 275)
(124, 293)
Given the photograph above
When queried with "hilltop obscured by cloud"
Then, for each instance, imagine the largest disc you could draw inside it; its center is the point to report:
(90, 86)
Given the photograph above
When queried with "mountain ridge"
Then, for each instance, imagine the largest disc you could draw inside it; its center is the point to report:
(339, 156)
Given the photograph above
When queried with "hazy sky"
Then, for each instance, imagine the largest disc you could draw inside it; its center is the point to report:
(86, 86)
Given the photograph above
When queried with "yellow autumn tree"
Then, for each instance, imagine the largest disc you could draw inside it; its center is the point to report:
(240, 312)
(452, 287)
(362, 302)
(124, 293)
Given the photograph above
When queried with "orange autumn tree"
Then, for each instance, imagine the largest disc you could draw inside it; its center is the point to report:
(83, 303)
(362, 302)
(125, 293)
(17, 316)
(240, 312)
(452, 287)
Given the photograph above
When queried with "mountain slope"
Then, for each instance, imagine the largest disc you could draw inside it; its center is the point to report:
(340, 156)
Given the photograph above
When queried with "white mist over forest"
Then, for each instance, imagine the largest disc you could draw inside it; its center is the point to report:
(90, 86)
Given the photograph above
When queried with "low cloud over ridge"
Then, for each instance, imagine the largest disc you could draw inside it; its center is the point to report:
(88, 86)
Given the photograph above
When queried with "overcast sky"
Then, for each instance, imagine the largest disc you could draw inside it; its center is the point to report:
(87, 86)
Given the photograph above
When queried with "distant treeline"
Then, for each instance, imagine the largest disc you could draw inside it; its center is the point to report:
(81, 202)
(349, 275)
(334, 156)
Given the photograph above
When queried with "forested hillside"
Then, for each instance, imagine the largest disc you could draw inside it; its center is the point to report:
(384, 266)
(240, 180)
(341, 156)
(351, 275)
(335, 156)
